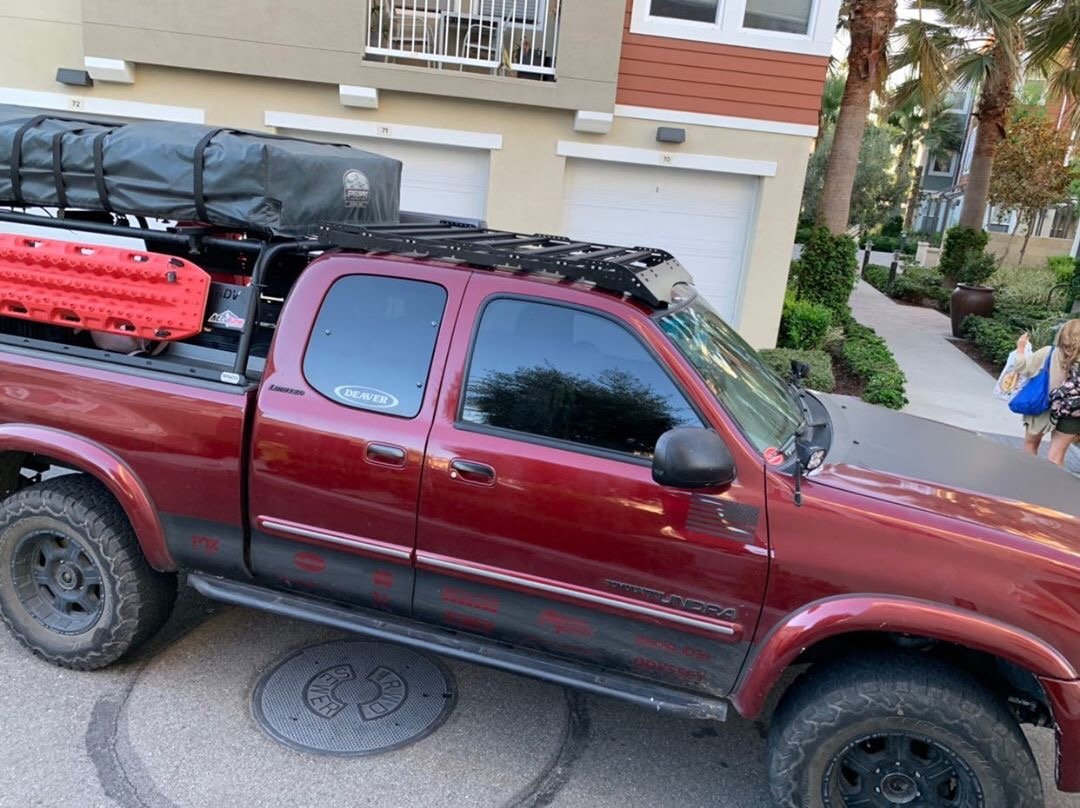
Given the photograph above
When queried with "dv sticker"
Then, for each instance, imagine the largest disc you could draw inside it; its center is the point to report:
(366, 397)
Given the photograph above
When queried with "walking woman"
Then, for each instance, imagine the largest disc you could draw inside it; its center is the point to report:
(1063, 420)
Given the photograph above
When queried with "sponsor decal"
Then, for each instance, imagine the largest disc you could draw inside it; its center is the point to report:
(774, 457)
(468, 622)
(564, 623)
(369, 397)
(672, 648)
(653, 666)
(460, 597)
(205, 543)
(674, 601)
(357, 189)
(290, 391)
(309, 562)
(227, 319)
(383, 578)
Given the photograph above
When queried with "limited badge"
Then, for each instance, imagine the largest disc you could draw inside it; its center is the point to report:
(357, 189)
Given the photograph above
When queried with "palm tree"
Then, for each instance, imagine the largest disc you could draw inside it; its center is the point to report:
(976, 43)
(870, 23)
(917, 121)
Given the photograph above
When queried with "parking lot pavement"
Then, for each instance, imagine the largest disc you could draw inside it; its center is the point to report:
(174, 726)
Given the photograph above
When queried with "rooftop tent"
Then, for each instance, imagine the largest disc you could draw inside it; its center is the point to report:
(251, 181)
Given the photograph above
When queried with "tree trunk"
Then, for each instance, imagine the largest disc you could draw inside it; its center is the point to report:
(903, 173)
(870, 23)
(913, 201)
(1027, 237)
(995, 101)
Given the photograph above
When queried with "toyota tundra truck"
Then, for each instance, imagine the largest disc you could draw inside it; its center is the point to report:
(543, 455)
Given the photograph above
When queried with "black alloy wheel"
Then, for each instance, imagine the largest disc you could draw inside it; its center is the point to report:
(57, 582)
(890, 769)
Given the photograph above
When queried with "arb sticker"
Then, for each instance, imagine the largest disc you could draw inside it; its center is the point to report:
(357, 189)
(774, 457)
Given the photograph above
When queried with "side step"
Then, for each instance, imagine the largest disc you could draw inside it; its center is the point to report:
(470, 649)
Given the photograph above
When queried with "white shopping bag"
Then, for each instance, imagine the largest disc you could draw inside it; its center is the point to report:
(1011, 381)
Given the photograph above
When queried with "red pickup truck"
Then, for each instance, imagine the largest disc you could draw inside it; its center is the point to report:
(554, 458)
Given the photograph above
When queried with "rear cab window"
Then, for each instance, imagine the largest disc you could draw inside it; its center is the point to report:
(373, 342)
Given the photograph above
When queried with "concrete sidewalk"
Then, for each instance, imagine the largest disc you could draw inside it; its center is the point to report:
(943, 383)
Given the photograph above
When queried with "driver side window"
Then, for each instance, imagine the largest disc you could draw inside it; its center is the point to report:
(569, 375)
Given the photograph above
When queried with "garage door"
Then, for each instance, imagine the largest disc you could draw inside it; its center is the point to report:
(702, 218)
(434, 179)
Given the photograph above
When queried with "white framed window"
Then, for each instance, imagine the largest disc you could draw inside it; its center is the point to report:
(793, 26)
(942, 164)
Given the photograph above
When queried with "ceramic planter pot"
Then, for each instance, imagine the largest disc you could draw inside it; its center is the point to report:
(967, 301)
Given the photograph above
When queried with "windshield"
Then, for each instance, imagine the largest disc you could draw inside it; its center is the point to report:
(752, 393)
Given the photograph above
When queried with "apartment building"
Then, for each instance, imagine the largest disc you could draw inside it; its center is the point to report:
(684, 124)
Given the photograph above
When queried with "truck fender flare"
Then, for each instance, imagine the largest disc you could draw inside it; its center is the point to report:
(112, 472)
(843, 614)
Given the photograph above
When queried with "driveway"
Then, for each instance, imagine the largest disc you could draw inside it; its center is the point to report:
(174, 726)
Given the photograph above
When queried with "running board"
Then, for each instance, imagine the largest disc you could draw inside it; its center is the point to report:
(470, 649)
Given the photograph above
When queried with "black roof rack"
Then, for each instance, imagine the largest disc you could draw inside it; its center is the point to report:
(643, 273)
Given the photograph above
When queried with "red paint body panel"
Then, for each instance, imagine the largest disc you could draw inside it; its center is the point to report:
(539, 553)
(176, 448)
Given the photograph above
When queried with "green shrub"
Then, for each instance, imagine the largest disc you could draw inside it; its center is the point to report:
(1020, 316)
(962, 246)
(1063, 267)
(918, 283)
(893, 226)
(821, 369)
(827, 272)
(978, 269)
(802, 233)
(878, 277)
(868, 357)
(994, 339)
(1029, 285)
(1074, 286)
(933, 239)
(803, 324)
(889, 244)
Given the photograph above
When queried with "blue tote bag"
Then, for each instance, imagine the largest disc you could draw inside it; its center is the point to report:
(1034, 397)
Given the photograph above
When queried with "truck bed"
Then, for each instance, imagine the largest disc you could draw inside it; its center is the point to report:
(183, 439)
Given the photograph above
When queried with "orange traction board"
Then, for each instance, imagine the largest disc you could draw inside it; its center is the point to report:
(111, 289)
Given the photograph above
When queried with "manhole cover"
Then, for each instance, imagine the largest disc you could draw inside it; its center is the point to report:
(350, 697)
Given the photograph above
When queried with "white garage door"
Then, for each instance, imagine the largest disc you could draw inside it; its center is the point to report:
(702, 218)
(434, 179)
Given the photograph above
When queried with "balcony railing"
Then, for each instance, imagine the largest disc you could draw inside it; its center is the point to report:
(503, 37)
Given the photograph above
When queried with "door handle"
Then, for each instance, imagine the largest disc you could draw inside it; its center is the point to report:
(472, 472)
(385, 454)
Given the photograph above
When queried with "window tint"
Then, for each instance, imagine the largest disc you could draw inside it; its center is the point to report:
(567, 374)
(373, 341)
(789, 16)
(696, 10)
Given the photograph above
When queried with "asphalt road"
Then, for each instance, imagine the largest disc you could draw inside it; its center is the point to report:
(174, 726)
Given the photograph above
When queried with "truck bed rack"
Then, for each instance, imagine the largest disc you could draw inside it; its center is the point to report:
(643, 273)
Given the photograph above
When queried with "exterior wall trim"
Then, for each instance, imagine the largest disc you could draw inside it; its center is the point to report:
(655, 157)
(381, 130)
(719, 121)
(95, 105)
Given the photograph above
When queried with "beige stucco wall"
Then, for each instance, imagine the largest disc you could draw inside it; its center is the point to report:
(526, 175)
(1038, 248)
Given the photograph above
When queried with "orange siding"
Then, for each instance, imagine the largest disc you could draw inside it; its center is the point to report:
(719, 79)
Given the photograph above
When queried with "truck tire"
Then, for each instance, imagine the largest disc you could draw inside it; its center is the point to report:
(75, 587)
(891, 729)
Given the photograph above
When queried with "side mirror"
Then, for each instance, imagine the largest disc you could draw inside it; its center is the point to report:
(691, 457)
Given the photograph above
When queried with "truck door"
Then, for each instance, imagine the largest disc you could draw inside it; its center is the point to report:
(343, 415)
(540, 523)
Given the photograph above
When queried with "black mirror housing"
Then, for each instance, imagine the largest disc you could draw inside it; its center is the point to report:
(692, 457)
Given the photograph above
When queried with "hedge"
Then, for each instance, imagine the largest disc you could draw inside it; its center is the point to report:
(868, 357)
(878, 277)
(804, 324)
(826, 272)
(963, 245)
(917, 284)
(994, 339)
(821, 376)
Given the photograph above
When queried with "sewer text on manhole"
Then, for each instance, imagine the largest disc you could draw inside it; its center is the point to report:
(353, 697)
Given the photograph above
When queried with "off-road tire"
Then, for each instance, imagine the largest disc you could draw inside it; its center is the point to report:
(135, 599)
(832, 705)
